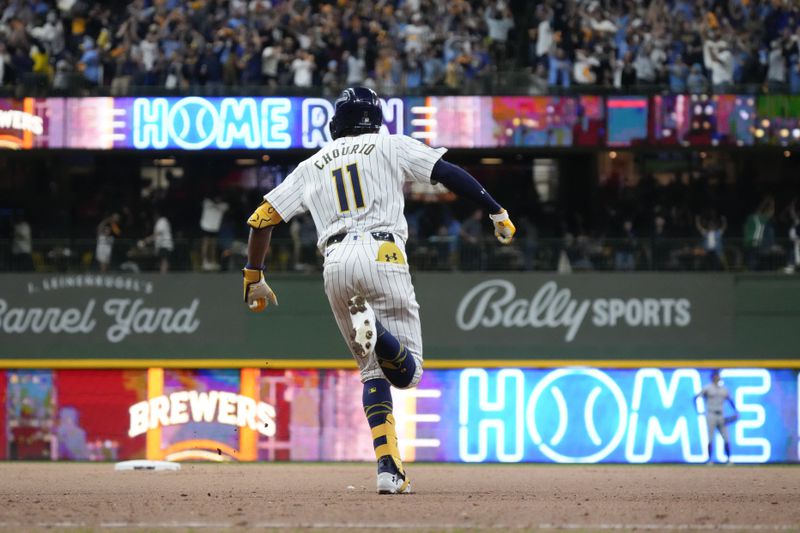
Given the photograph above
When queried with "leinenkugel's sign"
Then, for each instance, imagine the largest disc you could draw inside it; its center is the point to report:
(149, 316)
(123, 316)
(465, 316)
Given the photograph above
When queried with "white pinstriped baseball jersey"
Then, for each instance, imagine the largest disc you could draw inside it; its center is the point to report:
(356, 184)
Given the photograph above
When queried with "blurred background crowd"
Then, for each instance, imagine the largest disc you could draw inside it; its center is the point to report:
(398, 46)
(603, 211)
(191, 216)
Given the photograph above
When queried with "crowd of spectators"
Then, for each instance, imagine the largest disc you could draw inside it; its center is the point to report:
(674, 239)
(178, 44)
(663, 239)
(686, 45)
(686, 220)
(691, 221)
(211, 46)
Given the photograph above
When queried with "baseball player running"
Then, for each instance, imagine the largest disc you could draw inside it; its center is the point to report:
(715, 395)
(353, 188)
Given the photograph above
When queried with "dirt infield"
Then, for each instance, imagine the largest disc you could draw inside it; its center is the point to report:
(293, 496)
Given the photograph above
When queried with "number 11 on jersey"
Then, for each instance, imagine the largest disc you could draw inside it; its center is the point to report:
(341, 191)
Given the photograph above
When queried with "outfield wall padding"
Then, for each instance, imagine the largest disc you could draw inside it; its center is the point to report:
(487, 318)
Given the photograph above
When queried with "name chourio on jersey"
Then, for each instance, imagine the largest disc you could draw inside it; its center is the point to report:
(365, 149)
(355, 184)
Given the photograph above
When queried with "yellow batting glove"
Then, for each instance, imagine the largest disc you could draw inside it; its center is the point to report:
(504, 229)
(257, 294)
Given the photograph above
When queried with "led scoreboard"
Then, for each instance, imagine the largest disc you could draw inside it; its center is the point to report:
(475, 415)
(276, 123)
(587, 415)
(195, 123)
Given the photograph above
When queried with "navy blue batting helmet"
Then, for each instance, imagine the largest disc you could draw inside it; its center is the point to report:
(356, 111)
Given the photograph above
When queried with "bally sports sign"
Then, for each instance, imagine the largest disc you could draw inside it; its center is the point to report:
(582, 316)
(495, 303)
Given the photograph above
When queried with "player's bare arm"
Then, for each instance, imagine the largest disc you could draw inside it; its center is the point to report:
(257, 294)
(464, 184)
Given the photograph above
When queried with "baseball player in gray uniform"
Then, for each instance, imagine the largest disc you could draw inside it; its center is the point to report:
(353, 188)
(715, 395)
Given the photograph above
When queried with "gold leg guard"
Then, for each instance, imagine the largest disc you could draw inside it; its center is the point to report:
(390, 448)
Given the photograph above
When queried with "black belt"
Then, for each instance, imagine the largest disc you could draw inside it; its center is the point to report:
(377, 235)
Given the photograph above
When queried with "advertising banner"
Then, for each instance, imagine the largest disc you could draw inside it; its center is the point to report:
(544, 315)
(778, 119)
(566, 415)
(465, 316)
(194, 123)
(278, 123)
(700, 120)
(24, 123)
(489, 122)
(151, 316)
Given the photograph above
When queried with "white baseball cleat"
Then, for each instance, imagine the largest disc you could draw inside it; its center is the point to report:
(390, 481)
(392, 484)
(363, 335)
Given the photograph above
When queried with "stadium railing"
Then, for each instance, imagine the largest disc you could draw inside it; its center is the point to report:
(432, 254)
(512, 82)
